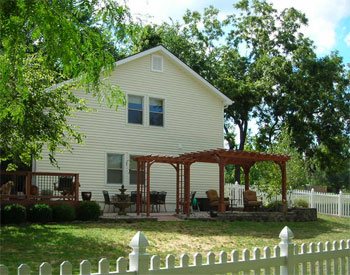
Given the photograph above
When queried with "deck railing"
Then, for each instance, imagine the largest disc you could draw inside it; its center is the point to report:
(39, 185)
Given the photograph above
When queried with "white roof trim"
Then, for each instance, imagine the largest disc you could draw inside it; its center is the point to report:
(225, 99)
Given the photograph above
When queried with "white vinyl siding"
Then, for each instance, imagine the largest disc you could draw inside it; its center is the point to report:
(193, 121)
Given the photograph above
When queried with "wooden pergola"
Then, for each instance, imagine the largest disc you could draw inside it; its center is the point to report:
(182, 164)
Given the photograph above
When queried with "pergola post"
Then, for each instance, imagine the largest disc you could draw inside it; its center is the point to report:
(187, 189)
(138, 193)
(221, 207)
(177, 188)
(148, 188)
(246, 169)
(284, 181)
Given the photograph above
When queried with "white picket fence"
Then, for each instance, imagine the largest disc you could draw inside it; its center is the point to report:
(287, 258)
(325, 203)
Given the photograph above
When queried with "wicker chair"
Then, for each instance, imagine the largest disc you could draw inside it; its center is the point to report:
(214, 199)
(251, 201)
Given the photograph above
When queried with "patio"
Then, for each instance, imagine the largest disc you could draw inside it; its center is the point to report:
(182, 165)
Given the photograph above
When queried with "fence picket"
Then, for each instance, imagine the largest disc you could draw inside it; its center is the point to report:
(155, 262)
(170, 261)
(256, 256)
(312, 250)
(103, 266)
(85, 268)
(303, 251)
(327, 247)
(210, 258)
(335, 261)
(267, 255)
(23, 269)
(66, 268)
(197, 259)
(184, 260)
(45, 269)
(122, 265)
(246, 258)
(234, 258)
(3, 270)
(223, 257)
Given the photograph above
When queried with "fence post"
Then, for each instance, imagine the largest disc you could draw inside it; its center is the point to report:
(287, 250)
(139, 258)
(312, 198)
(340, 208)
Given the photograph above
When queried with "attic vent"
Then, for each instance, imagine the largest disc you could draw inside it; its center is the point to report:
(157, 63)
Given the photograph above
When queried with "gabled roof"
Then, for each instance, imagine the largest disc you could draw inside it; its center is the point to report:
(206, 83)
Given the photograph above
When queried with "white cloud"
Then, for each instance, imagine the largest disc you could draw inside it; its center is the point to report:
(323, 15)
(347, 40)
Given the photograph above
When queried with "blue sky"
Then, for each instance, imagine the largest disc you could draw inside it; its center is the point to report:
(329, 20)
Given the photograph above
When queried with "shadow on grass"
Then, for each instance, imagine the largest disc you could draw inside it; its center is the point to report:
(34, 244)
(303, 230)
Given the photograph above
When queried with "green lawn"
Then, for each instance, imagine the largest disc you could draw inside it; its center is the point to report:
(34, 244)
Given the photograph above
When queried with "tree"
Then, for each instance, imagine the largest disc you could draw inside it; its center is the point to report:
(43, 43)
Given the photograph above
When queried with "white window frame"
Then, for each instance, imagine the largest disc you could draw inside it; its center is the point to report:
(144, 102)
(162, 63)
(123, 154)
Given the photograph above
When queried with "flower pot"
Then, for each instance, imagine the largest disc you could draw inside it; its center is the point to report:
(86, 196)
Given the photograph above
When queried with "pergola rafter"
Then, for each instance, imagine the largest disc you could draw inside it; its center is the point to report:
(222, 157)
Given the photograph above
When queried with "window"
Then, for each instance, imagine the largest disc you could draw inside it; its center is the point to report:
(157, 63)
(156, 112)
(114, 169)
(135, 109)
(133, 171)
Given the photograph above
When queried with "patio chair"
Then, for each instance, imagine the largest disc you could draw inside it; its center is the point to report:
(193, 204)
(214, 200)
(66, 186)
(250, 200)
(161, 200)
(154, 201)
(107, 200)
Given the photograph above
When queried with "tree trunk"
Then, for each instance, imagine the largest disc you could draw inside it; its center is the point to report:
(243, 129)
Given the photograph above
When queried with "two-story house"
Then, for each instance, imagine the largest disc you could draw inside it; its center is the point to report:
(170, 110)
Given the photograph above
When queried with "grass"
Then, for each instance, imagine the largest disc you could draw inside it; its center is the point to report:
(34, 244)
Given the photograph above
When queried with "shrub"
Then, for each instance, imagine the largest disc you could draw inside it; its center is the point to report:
(14, 213)
(274, 206)
(63, 213)
(89, 211)
(40, 213)
(301, 203)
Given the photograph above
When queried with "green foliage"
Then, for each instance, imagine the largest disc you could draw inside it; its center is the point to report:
(301, 203)
(89, 211)
(63, 213)
(43, 43)
(274, 206)
(14, 213)
(267, 176)
(40, 213)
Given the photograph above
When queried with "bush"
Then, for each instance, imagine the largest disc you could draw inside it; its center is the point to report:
(63, 213)
(89, 211)
(301, 203)
(14, 213)
(40, 213)
(274, 206)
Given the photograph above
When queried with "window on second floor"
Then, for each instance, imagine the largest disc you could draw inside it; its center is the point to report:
(114, 169)
(135, 109)
(156, 112)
